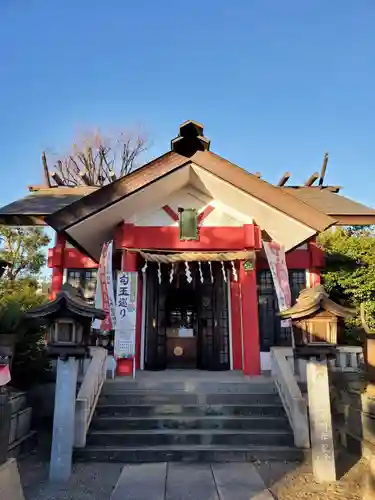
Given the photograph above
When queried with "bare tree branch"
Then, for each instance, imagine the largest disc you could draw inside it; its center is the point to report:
(99, 160)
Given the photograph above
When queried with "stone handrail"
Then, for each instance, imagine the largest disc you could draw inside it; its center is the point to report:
(88, 394)
(294, 403)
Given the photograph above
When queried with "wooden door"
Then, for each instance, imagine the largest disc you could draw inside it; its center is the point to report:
(213, 341)
(155, 326)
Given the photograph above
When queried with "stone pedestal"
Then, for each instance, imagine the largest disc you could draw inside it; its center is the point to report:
(10, 483)
(63, 420)
(322, 447)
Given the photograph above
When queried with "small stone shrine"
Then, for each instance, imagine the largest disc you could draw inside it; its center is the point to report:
(69, 318)
(316, 318)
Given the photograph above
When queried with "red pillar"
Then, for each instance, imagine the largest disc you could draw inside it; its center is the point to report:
(125, 366)
(57, 264)
(317, 262)
(314, 277)
(250, 321)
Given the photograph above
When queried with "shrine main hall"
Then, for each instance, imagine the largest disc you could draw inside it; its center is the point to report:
(192, 225)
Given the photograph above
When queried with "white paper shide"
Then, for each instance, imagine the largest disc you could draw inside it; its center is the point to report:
(126, 313)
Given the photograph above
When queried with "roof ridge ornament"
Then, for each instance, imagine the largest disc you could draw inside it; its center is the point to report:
(190, 139)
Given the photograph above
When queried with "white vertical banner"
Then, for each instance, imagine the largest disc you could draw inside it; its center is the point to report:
(126, 314)
(104, 294)
(110, 287)
(277, 262)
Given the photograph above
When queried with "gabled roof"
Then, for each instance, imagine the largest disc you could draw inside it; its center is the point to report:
(32, 209)
(166, 164)
(62, 208)
(345, 210)
(117, 190)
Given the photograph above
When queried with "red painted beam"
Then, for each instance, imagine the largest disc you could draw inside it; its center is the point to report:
(296, 259)
(168, 238)
(75, 259)
(317, 255)
(172, 214)
(205, 213)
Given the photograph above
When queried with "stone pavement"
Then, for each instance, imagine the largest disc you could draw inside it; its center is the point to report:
(286, 481)
(159, 481)
(179, 481)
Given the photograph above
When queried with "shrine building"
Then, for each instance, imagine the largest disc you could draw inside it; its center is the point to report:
(192, 223)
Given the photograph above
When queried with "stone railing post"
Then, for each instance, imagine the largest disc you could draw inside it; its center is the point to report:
(89, 393)
(63, 419)
(291, 396)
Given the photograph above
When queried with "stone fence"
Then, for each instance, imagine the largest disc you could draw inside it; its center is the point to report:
(348, 359)
(290, 379)
(353, 412)
(92, 383)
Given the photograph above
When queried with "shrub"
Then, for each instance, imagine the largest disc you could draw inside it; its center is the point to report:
(30, 363)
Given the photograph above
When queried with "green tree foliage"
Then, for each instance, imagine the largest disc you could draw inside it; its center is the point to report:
(30, 363)
(349, 275)
(24, 250)
(17, 297)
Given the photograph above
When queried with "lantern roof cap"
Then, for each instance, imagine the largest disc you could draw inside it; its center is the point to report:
(68, 300)
(312, 300)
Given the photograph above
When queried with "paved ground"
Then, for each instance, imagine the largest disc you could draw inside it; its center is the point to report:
(286, 481)
(161, 481)
(88, 481)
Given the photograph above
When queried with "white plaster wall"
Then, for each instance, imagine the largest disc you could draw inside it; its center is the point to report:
(189, 187)
(190, 197)
(282, 228)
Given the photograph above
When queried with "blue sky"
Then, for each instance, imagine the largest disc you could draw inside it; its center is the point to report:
(276, 83)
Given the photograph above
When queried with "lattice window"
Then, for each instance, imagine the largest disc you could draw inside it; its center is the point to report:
(86, 279)
(271, 331)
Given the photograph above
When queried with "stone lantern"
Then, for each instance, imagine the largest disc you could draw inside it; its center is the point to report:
(68, 319)
(317, 322)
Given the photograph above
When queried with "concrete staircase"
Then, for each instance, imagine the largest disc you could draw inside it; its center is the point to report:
(161, 419)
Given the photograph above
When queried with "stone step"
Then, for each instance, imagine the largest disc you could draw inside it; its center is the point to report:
(194, 453)
(263, 386)
(145, 410)
(188, 422)
(168, 437)
(186, 398)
